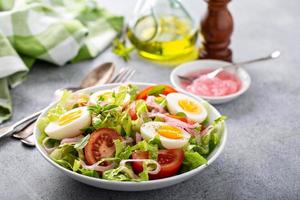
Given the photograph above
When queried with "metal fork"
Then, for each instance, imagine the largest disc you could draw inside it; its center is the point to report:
(124, 75)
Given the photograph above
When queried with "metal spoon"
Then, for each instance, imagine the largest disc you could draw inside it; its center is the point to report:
(235, 66)
(98, 76)
(103, 72)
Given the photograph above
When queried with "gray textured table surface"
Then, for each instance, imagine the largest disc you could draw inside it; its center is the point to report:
(262, 157)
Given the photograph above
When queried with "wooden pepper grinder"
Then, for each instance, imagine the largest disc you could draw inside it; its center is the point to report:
(216, 28)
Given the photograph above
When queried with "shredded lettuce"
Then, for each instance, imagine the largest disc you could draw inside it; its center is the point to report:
(50, 143)
(141, 108)
(77, 168)
(145, 146)
(123, 90)
(125, 173)
(119, 95)
(141, 111)
(65, 155)
(53, 114)
(156, 141)
(162, 101)
(42, 124)
(82, 143)
(181, 114)
(211, 139)
(123, 151)
(144, 176)
(108, 116)
(191, 161)
(126, 124)
(121, 173)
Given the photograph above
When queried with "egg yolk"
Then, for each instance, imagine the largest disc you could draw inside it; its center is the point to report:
(170, 132)
(69, 117)
(189, 106)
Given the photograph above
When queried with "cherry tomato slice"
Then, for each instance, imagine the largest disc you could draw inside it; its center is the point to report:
(169, 159)
(100, 145)
(144, 93)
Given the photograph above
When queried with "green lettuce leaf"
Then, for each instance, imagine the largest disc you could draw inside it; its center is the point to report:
(158, 89)
(191, 161)
(141, 108)
(125, 173)
(144, 176)
(123, 90)
(123, 151)
(162, 101)
(53, 115)
(41, 124)
(126, 124)
(50, 143)
(141, 111)
(145, 146)
(82, 143)
(120, 94)
(108, 116)
(55, 112)
(65, 155)
(77, 168)
(122, 173)
(211, 139)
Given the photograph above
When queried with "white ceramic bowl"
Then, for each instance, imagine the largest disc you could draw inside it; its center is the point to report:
(133, 186)
(186, 68)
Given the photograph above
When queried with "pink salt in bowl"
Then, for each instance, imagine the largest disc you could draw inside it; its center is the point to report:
(232, 85)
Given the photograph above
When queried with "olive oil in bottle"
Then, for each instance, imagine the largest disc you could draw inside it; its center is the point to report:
(163, 31)
(165, 38)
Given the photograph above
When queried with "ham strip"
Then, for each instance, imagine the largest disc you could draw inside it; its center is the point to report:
(72, 140)
(152, 104)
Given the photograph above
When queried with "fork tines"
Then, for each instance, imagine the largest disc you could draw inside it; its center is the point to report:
(124, 75)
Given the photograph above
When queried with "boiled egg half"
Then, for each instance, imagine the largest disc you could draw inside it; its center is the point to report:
(171, 137)
(70, 124)
(107, 97)
(194, 110)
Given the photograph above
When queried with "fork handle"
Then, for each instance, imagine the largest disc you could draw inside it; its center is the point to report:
(20, 125)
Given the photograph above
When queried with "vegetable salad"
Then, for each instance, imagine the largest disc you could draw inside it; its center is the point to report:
(128, 134)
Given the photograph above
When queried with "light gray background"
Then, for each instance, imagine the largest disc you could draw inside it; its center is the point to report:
(261, 159)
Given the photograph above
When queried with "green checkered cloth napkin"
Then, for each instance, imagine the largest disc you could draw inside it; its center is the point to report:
(56, 31)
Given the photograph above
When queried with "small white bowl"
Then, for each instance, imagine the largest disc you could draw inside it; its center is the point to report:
(188, 67)
(133, 186)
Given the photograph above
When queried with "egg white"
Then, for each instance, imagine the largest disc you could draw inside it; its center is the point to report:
(72, 129)
(148, 132)
(174, 107)
(95, 96)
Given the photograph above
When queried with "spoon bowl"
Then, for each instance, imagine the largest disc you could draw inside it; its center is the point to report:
(98, 76)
